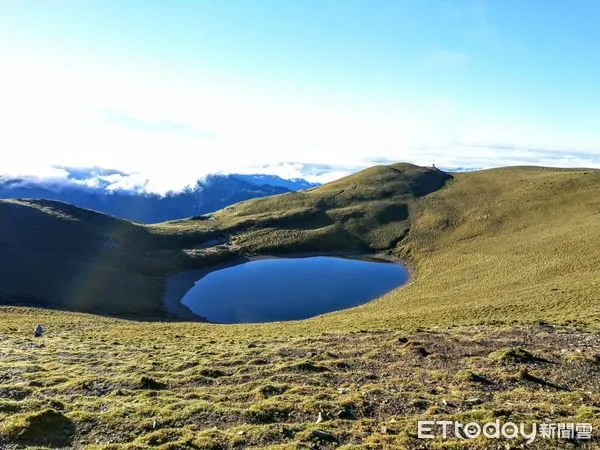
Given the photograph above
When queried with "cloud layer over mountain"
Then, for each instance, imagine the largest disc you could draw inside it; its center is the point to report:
(113, 192)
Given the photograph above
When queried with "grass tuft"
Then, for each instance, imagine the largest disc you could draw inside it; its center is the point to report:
(44, 428)
(513, 355)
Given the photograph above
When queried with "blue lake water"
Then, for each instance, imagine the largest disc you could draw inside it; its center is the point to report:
(270, 290)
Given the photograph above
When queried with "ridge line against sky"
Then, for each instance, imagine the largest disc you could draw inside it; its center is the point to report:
(172, 91)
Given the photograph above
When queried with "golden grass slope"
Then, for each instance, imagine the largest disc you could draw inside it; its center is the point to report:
(514, 244)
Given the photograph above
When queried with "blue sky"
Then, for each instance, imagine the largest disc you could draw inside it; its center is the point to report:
(170, 91)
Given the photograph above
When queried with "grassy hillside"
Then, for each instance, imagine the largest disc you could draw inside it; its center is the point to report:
(504, 245)
(87, 261)
(499, 321)
(366, 211)
(53, 254)
(487, 246)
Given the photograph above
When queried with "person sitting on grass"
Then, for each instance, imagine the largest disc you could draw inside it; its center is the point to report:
(39, 330)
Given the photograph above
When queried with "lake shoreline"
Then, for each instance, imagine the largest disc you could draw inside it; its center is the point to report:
(177, 285)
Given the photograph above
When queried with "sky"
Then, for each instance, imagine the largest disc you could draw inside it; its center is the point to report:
(167, 92)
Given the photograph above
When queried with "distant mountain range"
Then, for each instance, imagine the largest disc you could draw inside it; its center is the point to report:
(293, 184)
(211, 194)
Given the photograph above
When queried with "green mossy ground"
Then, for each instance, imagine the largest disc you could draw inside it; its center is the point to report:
(109, 383)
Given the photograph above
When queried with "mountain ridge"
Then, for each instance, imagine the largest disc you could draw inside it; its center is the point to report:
(213, 193)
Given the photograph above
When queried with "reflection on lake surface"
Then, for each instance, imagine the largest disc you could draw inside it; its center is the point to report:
(269, 290)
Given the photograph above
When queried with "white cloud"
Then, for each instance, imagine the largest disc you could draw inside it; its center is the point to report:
(168, 133)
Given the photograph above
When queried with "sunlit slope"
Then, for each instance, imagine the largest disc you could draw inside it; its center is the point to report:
(369, 211)
(511, 244)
